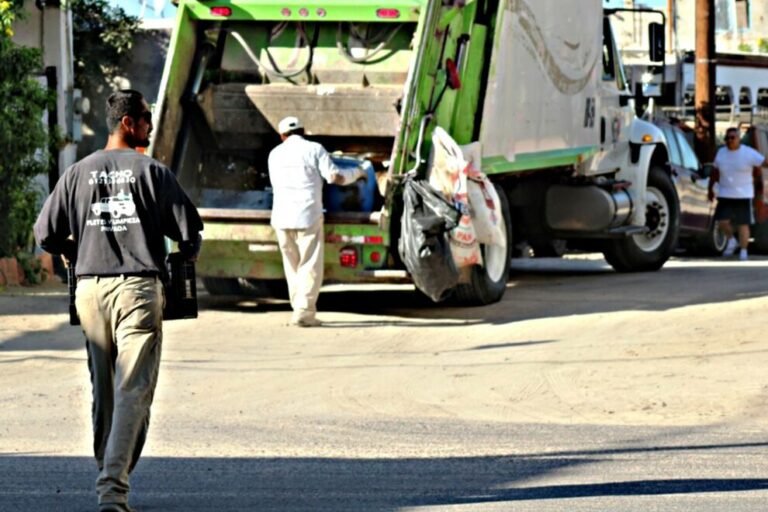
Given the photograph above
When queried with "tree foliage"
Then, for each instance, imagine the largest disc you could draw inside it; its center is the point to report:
(103, 36)
(23, 137)
(103, 41)
(762, 45)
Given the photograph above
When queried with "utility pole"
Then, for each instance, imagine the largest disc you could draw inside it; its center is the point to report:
(672, 32)
(705, 80)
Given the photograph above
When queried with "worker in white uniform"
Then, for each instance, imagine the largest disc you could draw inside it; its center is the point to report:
(297, 168)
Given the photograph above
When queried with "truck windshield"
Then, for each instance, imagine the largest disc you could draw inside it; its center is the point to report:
(613, 70)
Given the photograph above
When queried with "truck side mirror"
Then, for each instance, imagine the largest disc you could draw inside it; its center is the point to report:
(657, 42)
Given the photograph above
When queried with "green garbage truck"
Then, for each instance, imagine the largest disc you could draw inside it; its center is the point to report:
(539, 84)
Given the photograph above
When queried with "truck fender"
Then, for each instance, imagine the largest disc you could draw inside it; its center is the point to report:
(637, 190)
(646, 136)
(643, 132)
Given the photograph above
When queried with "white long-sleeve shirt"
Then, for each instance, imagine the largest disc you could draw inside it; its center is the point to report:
(297, 168)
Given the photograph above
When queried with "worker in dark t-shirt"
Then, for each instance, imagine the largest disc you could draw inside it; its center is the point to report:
(109, 215)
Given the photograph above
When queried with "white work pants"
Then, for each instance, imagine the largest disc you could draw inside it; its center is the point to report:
(302, 251)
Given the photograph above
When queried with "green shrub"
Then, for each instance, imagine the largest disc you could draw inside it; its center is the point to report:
(23, 137)
(745, 47)
(34, 273)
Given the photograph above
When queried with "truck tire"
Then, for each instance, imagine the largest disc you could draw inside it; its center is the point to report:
(649, 251)
(489, 282)
(760, 238)
(222, 286)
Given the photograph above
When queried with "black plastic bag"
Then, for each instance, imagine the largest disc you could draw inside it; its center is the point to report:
(423, 245)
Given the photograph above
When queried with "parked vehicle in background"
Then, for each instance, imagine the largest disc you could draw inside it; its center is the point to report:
(698, 230)
(756, 136)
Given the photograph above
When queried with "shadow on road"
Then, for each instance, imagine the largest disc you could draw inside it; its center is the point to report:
(538, 289)
(63, 337)
(546, 288)
(636, 488)
(329, 484)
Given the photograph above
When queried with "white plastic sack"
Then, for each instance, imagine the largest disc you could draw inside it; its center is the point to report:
(447, 163)
(449, 175)
(484, 201)
(465, 248)
(455, 172)
(486, 210)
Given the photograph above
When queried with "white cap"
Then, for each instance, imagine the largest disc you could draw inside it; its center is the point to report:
(289, 124)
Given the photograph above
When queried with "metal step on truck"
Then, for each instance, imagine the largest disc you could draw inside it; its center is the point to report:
(539, 84)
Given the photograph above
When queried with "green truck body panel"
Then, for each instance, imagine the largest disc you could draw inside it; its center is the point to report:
(248, 248)
(525, 162)
(299, 10)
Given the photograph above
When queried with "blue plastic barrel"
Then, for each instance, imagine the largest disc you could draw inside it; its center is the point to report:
(359, 197)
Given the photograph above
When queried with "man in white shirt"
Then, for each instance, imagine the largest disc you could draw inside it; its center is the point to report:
(297, 168)
(739, 177)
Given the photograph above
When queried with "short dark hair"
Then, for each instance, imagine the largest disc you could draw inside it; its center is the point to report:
(125, 102)
(295, 131)
(732, 130)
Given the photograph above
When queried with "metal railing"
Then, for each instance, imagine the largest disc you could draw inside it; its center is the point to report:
(733, 115)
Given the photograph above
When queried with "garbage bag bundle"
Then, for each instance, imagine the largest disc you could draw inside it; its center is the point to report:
(455, 172)
(423, 245)
(486, 210)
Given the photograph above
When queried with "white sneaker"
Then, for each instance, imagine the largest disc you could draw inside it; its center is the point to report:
(743, 256)
(730, 247)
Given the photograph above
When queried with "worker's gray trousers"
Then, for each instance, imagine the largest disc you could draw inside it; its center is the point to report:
(122, 321)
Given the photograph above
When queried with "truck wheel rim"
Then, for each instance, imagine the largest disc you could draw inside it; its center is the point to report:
(496, 256)
(656, 219)
(718, 238)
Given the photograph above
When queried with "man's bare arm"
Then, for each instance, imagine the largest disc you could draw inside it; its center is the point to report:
(714, 177)
(757, 177)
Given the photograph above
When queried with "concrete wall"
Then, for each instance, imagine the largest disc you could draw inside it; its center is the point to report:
(729, 37)
(632, 31)
(50, 32)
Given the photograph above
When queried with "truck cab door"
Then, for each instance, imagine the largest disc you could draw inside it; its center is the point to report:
(613, 115)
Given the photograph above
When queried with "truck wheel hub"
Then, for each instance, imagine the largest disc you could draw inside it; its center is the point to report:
(656, 215)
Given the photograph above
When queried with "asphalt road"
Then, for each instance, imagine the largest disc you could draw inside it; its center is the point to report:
(582, 390)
